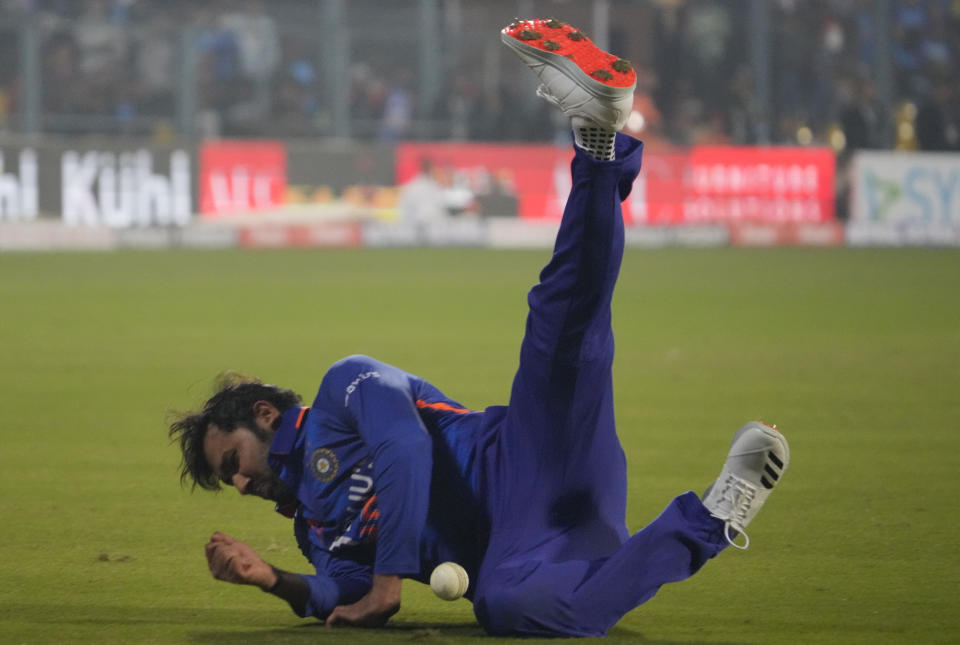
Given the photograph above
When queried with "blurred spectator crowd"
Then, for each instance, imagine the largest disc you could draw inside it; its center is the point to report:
(255, 68)
(825, 74)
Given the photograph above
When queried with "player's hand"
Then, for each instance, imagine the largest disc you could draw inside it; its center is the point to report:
(374, 609)
(233, 561)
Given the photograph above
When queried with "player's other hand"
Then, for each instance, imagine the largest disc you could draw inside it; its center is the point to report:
(233, 561)
(374, 609)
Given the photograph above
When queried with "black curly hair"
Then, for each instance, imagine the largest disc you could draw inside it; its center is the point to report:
(230, 408)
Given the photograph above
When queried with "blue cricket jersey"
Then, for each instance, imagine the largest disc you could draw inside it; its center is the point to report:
(381, 463)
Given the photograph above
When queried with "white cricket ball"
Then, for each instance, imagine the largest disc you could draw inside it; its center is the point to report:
(449, 581)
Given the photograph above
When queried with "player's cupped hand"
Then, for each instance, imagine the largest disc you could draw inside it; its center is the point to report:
(233, 561)
(374, 609)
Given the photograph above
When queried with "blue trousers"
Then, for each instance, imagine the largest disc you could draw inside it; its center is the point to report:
(560, 561)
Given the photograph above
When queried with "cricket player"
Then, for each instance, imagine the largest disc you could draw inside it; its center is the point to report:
(386, 477)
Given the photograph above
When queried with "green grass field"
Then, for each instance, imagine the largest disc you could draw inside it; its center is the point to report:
(854, 354)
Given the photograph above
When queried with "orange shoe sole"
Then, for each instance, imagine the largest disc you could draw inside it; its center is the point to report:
(555, 37)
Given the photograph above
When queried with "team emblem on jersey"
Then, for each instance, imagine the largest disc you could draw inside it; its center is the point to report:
(324, 464)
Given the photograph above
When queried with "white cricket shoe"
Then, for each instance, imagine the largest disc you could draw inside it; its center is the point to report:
(759, 455)
(589, 85)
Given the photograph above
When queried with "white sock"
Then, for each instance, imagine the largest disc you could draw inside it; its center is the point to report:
(596, 141)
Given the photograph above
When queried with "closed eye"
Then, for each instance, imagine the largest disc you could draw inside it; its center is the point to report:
(228, 467)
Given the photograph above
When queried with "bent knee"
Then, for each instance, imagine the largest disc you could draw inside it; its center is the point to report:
(525, 610)
(502, 612)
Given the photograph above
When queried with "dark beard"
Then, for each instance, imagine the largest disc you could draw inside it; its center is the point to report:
(274, 489)
(271, 488)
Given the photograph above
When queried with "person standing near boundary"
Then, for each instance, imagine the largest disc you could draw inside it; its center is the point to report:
(386, 477)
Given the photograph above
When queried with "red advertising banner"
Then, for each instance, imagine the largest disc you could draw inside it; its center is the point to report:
(241, 176)
(787, 234)
(700, 185)
(771, 185)
(344, 234)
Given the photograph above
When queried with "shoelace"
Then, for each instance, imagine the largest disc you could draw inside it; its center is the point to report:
(738, 495)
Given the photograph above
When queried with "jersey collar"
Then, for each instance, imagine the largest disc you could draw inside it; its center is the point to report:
(286, 435)
(282, 459)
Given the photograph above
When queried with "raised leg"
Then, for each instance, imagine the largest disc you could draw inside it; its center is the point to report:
(558, 470)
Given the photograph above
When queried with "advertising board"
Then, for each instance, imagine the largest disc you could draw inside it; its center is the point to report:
(238, 177)
(904, 198)
(18, 185)
(124, 189)
(759, 185)
(699, 185)
(901, 187)
(342, 234)
(96, 182)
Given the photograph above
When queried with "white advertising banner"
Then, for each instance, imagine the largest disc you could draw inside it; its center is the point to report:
(904, 198)
(903, 188)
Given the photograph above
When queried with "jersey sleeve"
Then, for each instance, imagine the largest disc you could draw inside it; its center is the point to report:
(337, 581)
(377, 401)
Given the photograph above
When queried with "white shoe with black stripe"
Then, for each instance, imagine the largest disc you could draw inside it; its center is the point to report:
(759, 455)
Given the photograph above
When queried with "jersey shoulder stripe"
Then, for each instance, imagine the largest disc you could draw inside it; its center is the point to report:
(440, 405)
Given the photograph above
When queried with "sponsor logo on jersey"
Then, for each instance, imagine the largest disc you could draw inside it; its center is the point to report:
(324, 464)
(357, 381)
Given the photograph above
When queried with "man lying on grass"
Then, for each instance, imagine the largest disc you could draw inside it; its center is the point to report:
(386, 477)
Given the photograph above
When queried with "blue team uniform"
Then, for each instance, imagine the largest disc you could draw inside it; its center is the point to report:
(394, 477)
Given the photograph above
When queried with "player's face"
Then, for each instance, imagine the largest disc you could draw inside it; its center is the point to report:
(239, 459)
